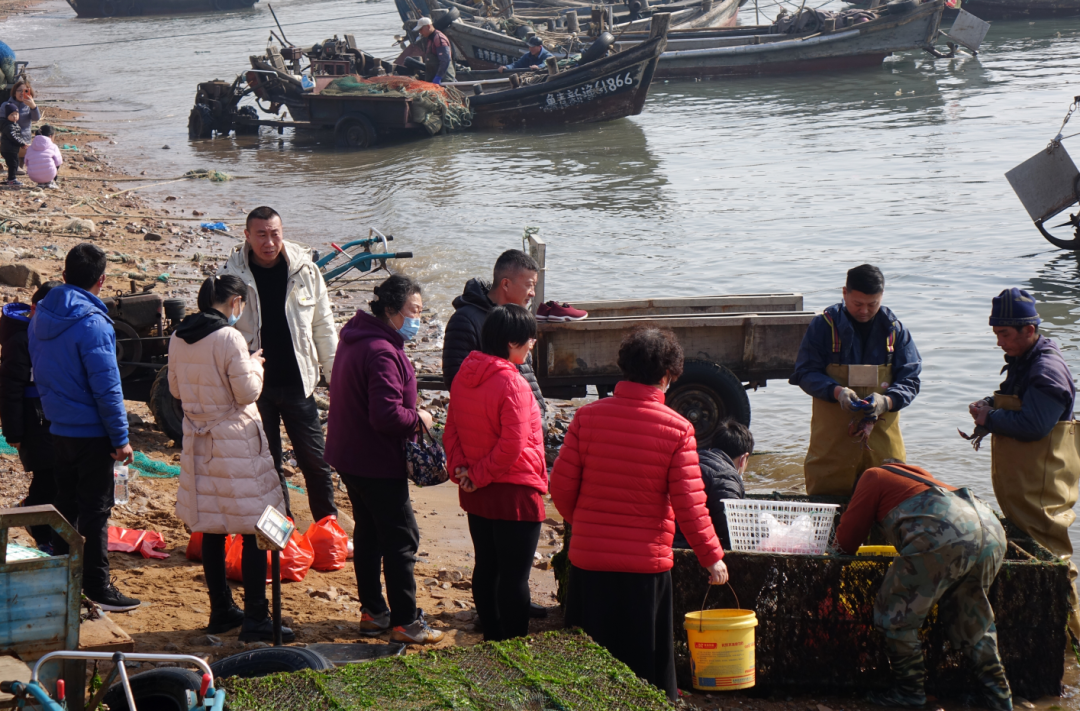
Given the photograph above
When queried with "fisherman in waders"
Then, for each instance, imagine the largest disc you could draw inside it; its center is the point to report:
(1034, 458)
(438, 57)
(950, 548)
(855, 350)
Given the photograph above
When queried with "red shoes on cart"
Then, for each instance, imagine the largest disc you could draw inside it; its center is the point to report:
(552, 311)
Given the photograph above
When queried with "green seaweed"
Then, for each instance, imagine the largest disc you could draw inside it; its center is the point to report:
(552, 671)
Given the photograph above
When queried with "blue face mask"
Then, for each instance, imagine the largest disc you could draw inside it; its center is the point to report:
(234, 319)
(409, 328)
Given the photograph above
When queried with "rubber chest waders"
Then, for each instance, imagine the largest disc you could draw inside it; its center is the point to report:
(834, 458)
(1036, 486)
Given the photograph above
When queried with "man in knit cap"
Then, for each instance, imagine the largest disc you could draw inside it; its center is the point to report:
(1035, 457)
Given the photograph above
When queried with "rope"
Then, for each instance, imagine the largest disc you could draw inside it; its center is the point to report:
(203, 34)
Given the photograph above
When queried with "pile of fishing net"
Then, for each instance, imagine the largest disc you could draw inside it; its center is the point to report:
(811, 20)
(436, 107)
(554, 670)
(214, 176)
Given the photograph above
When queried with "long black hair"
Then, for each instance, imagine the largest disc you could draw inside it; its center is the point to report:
(391, 295)
(219, 289)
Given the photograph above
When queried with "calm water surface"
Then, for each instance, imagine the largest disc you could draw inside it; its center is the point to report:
(775, 184)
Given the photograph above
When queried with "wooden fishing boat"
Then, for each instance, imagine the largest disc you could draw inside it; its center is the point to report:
(609, 88)
(1011, 9)
(482, 48)
(125, 8)
(753, 50)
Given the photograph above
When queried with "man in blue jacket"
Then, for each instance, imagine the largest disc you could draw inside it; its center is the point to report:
(73, 351)
(856, 351)
(536, 56)
(1035, 452)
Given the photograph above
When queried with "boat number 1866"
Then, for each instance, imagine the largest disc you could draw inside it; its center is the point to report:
(581, 94)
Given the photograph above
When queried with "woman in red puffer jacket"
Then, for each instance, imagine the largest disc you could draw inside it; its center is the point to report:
(495, 452)
(627, 470)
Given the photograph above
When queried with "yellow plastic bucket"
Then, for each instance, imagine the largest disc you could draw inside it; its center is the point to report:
(721, 648)
(877, 550)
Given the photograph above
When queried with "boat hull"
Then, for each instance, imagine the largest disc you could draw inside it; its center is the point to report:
(859, 46)
(604, 90)
(129, 8)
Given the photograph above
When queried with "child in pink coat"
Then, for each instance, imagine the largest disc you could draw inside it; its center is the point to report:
(43, 158)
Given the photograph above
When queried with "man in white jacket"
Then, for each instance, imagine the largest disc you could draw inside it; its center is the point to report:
(288, 316)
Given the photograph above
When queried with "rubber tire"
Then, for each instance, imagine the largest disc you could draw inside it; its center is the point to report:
(256, 663)
(446, 20)
(598, 49)
(901, 7)
(355, 131)
(168, 412)
(200, 123)
(163, 689)
(248, 112)
(707, 393)
(130, 351)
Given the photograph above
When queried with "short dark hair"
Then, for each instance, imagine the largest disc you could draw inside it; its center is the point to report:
(44, 289)
(647, 354)
(217, 289)
(731, 437)
(392, 294)
(84, 265)
(510, 263)
(45, 130)
(866, 278)
(506, 325)
(261, 213)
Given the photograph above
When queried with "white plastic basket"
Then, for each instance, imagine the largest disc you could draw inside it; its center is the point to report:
(748, 525)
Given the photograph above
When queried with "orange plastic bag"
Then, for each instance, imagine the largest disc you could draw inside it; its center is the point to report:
(330, 543)
(295, 560)
(194, 546)
(149, 544)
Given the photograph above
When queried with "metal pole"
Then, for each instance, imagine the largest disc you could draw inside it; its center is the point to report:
(275, 571)
(757, 15)
(279, 24)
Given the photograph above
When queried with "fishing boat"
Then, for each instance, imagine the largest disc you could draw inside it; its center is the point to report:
(751, 50)
(126, 8)
(1009, 9)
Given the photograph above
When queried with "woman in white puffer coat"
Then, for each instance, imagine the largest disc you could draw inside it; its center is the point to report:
(227, 477)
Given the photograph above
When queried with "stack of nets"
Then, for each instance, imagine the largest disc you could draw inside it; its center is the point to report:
(560, 671)
(436, 107)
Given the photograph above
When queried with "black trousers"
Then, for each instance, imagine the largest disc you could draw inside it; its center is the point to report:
(42, 492)
(385, 542)
(84, 496)
(301, 418)
(500, 581)
(11, 157)
(629, 614)
(253, 566)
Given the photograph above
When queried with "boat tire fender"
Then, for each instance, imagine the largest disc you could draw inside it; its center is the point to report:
(598, 49)
(164, 689)
(901, 7)
(447, 19)
(256, 663)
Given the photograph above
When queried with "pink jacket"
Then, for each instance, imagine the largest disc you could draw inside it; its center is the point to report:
(42, 160)
(493, 425)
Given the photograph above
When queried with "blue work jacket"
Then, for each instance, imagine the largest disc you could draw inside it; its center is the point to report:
(1042, 381)
(530, 60)
(890, 344)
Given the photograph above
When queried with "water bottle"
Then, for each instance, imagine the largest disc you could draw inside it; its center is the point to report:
(120, 483)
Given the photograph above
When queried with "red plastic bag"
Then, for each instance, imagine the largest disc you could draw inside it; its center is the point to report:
(148, 543)
(295, 560)
(194, 546)
(330, 543)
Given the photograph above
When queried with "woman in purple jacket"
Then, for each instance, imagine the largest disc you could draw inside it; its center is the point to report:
(372, 413)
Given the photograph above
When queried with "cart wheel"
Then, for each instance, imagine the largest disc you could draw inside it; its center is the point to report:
(164, 689)
(355, 131)
(168, 413)
(247, 112)
(269, 660)
(128, 347)
(706, 394)
(200, 123)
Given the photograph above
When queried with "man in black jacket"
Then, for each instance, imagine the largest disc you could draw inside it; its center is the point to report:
(722, 463)
(24, 425)
(514, 282)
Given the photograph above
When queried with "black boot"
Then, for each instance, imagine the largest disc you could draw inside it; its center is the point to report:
(224, 614)
(258, 627)
(909, 679)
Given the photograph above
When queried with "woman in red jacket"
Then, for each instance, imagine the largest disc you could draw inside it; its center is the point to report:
(495, 448)
(627, 471)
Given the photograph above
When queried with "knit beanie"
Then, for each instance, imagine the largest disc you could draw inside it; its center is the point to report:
(1014, 307)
